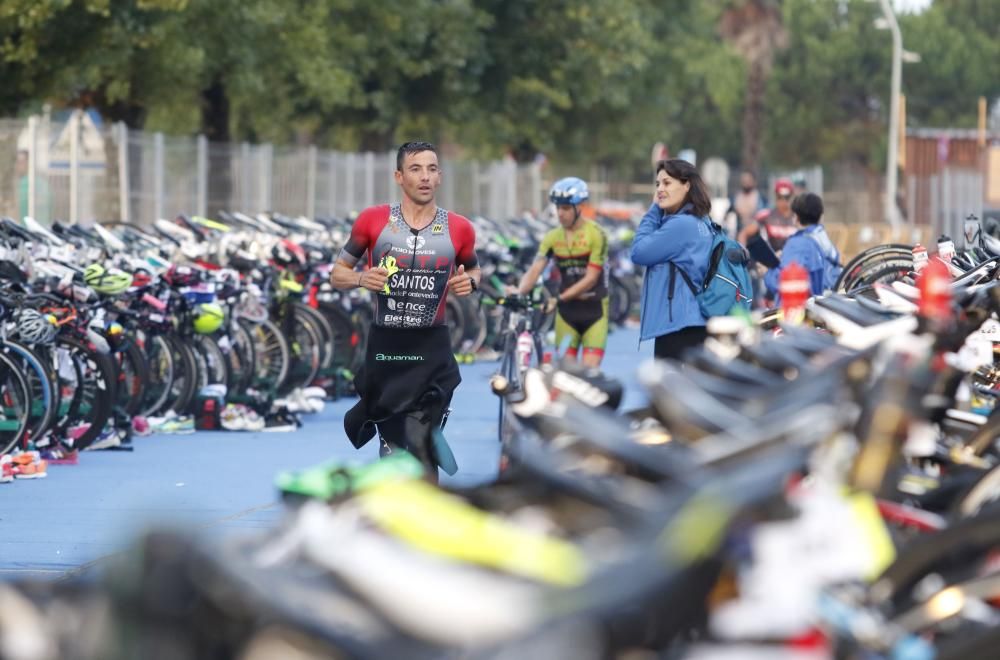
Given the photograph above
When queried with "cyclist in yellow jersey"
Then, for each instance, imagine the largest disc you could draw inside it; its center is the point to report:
(580, 250)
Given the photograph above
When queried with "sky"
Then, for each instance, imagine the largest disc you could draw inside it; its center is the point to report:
(910, 5)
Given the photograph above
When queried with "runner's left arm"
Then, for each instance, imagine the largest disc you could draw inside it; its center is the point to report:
(466, 260)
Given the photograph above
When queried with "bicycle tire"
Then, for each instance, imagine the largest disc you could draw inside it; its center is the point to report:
(475, 329)
(327, 346)
(41, 385)
(185, 381)
(857, 271)
(619, 301)
(272, 352)
(305, 350)
(162, 371)
(93, 400)
(214, 360)
(455, 318)
(346, 336)
(14, 390)
(241, 359)
(133, 378)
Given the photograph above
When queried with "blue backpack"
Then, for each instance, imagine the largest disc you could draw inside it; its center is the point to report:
(727, 284)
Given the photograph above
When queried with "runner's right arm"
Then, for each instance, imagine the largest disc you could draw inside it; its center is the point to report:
(344, 276)
(541, 261)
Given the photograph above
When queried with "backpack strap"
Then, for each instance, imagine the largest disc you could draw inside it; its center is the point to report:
(674, 268)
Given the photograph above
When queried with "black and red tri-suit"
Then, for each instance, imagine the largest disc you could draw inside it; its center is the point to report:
(408, 353)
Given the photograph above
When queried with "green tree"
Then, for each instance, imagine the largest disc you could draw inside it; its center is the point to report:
(829, 89)
(959, 45)
(755, 31)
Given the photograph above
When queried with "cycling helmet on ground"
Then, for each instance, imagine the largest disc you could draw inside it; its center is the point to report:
(208, 318)
(34, 327)
(570, 190)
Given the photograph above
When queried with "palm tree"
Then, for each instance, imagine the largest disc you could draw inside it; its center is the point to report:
(754, 28)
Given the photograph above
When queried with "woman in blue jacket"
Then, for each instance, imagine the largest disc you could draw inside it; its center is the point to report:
(674, 234)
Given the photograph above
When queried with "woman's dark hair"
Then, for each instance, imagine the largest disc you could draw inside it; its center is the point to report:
(685, 172)
(809, 208)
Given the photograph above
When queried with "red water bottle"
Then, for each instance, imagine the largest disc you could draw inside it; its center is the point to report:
(934, 283)
(795, 291)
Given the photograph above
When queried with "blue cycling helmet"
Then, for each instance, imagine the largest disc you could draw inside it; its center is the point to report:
(570, 190)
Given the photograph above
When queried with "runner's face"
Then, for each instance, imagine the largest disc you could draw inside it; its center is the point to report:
(783, 204)
(420, 176)
(567, 215)
(670, 192)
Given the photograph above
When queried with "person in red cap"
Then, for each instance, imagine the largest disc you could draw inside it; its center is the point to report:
(776, 224)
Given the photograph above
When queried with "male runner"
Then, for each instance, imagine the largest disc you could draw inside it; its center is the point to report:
(580, 250)
(417, 254)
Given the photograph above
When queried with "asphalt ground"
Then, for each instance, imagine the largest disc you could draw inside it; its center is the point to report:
(220, 482)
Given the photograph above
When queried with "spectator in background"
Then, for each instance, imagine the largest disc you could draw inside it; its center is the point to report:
(810, 247)
(748, 201)
(43, 196)
(800, 185)
(775, 224)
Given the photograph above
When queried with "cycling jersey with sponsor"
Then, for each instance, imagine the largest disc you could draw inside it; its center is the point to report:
(575, 252)
(419, 262)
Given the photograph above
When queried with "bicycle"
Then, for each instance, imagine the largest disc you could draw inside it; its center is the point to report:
(519, 337)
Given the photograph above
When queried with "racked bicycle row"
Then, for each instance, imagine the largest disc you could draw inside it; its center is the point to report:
(114, 330)
(814, 485)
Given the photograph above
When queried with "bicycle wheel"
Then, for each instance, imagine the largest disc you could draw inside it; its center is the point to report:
(475, 327)
(15, 394)
(93, 397)
(133, 378)
(455, 317)
(305, 351)
(882, 263)
(509, 370)
(186, 375)
(346, 336)
(241, 360)
(41, 384)
(272, 352)
(327, 347)
(162, 371)
(619, 301)
(215, 363)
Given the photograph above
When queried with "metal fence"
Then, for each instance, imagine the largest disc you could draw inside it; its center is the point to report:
(79, 170)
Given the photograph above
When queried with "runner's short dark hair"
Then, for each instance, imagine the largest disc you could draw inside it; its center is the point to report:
(412, 148)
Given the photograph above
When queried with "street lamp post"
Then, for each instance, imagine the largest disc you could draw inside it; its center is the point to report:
(891, 167)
